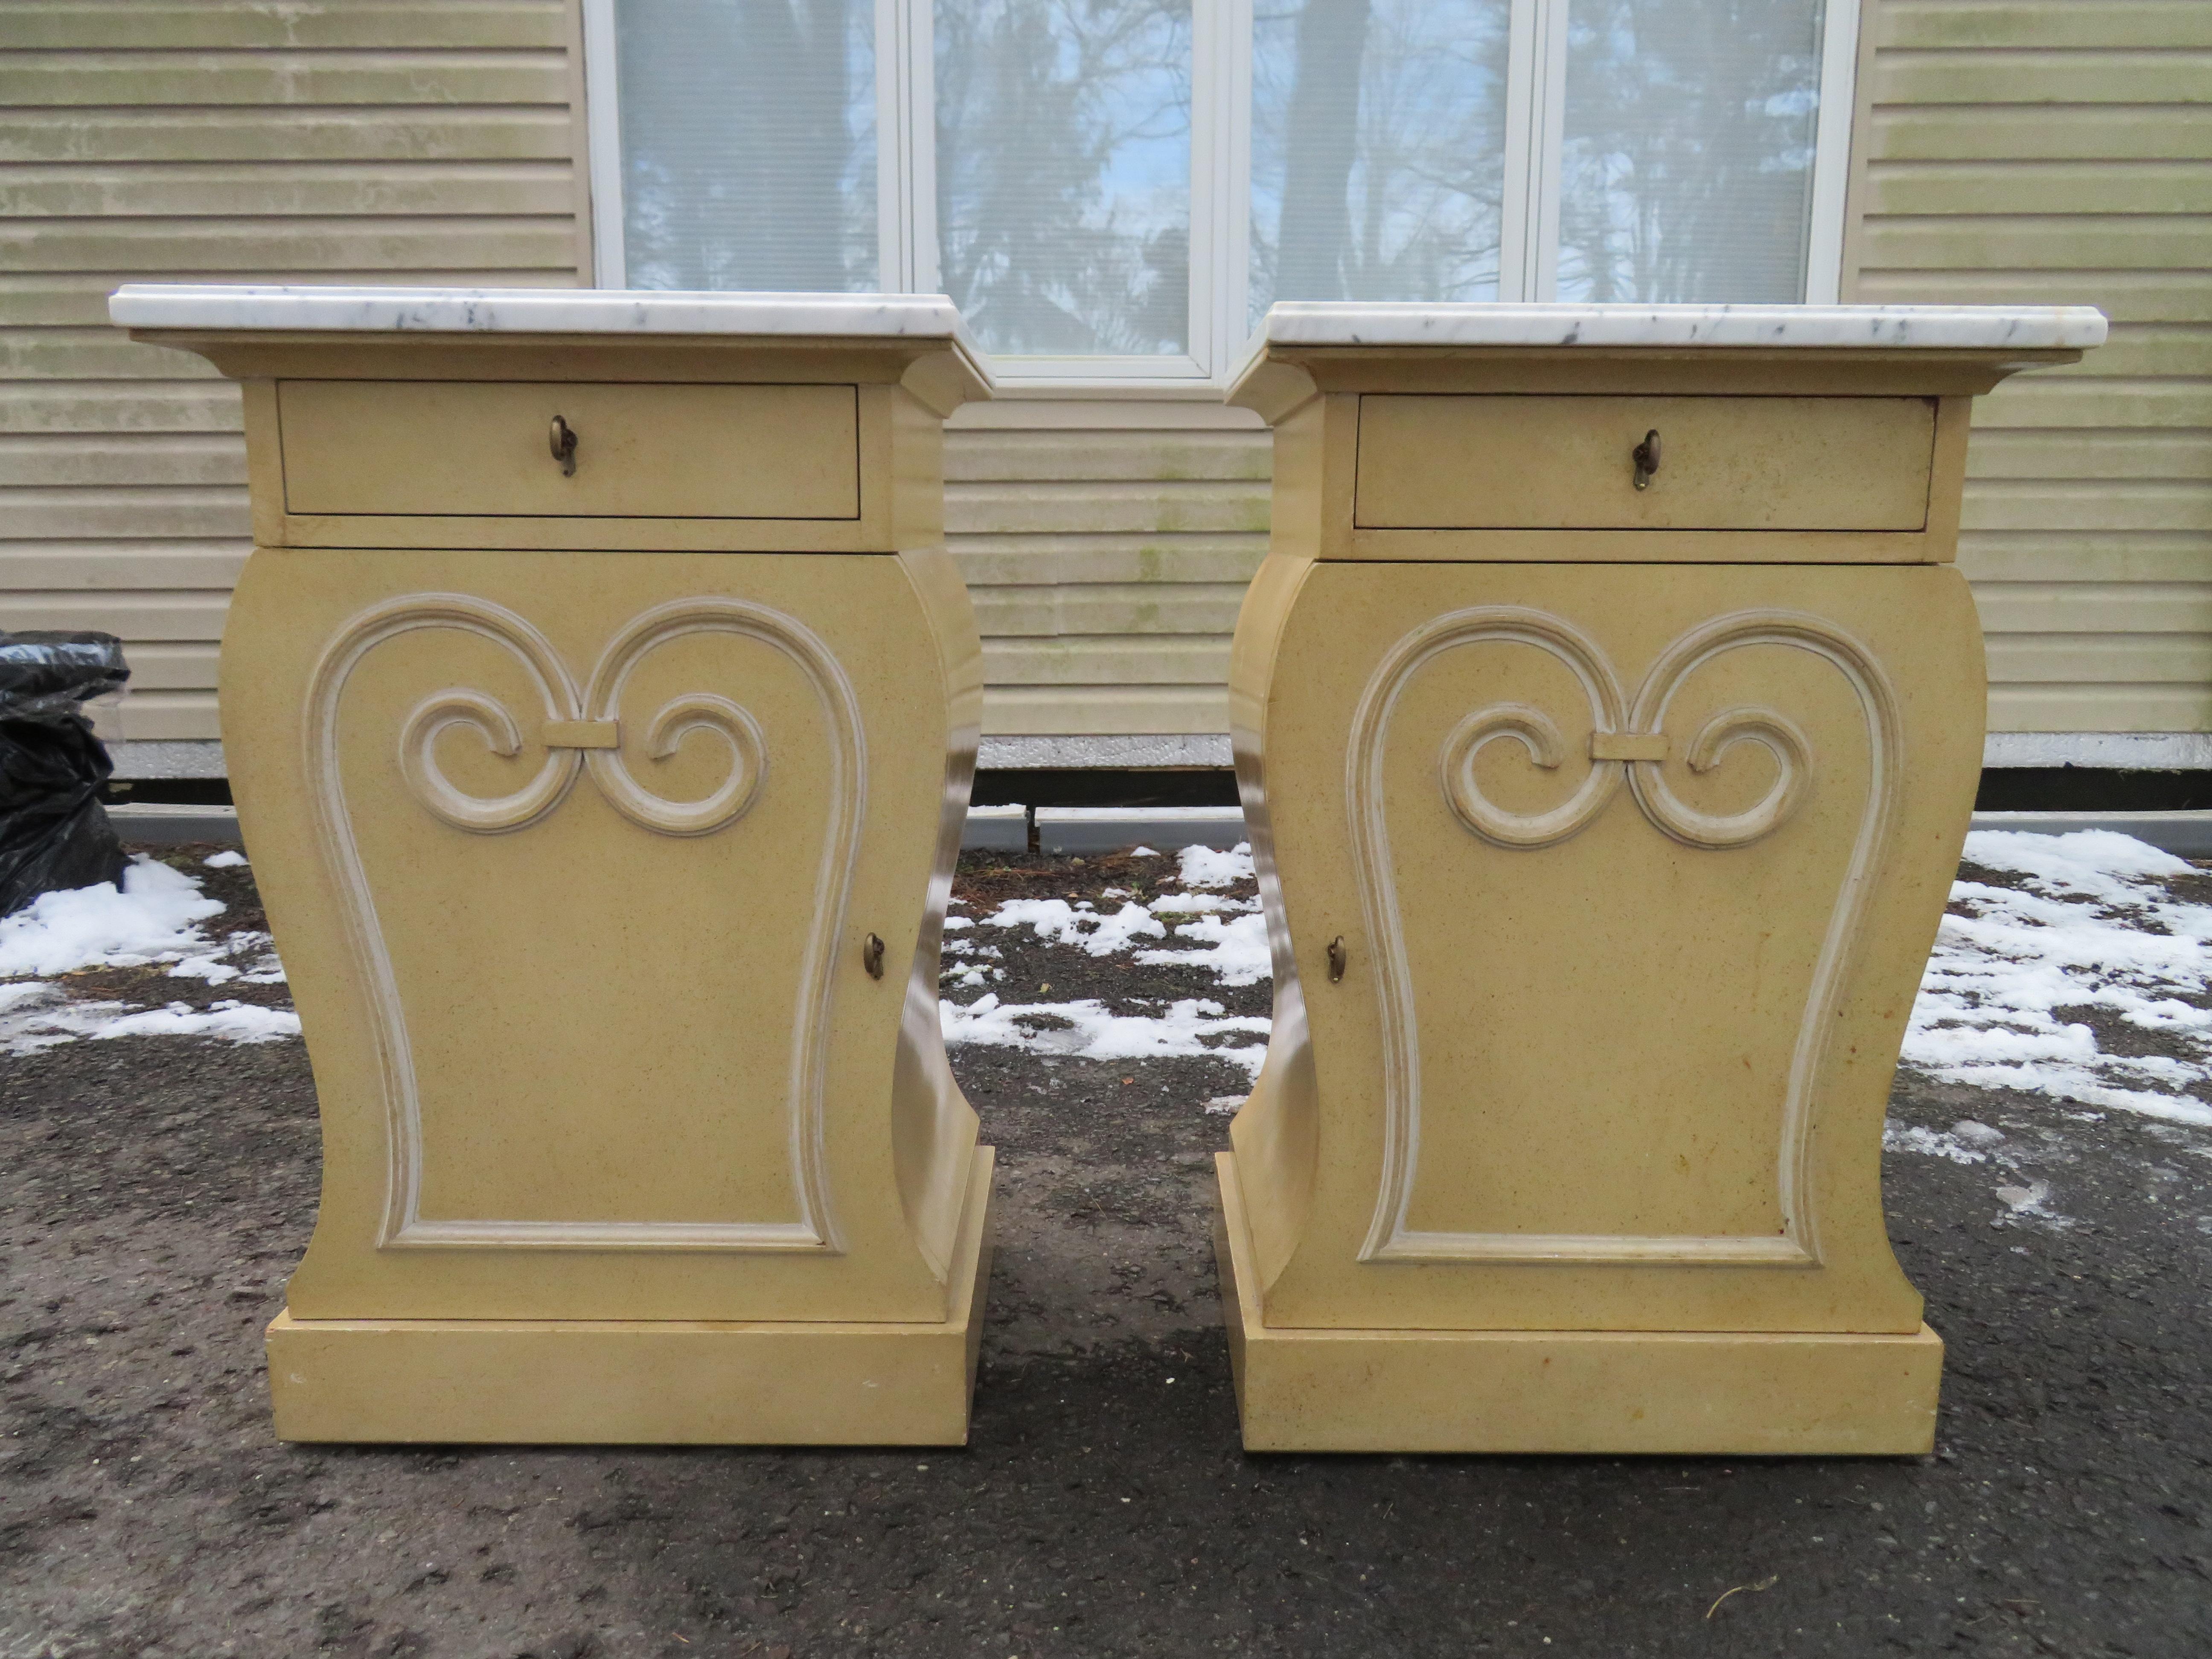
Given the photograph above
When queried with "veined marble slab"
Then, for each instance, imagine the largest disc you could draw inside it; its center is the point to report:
(538, 311)
(1386, 323)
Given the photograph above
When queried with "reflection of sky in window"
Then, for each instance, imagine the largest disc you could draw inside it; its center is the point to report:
(1063, 173)
(1686, 173)
(749, 143)
(1421, 103)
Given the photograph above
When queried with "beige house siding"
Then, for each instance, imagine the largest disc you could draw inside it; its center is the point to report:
(2061, 151)
(408, 141)
(1107, 546)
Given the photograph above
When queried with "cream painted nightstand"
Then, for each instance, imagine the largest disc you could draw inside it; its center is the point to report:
(1608, 715)
(601, 708)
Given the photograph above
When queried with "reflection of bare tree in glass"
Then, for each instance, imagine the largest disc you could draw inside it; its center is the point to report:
(1689, 149)
(1377, 150)
(748, 142)
(1063, 173)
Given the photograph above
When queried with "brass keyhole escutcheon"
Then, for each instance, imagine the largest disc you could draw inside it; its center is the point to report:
(871, 957)
(562, 437)
(1646, 457)
(1337, 957)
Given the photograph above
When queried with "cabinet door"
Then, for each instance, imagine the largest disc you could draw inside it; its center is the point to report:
(572, 859)
(1637, 867)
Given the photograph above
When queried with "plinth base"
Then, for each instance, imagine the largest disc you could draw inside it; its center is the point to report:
(1734, 1393)
(615, 1383)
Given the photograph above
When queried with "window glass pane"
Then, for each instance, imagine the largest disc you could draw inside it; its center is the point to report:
(1378, 145)
(1063, 173)
(1688, 167)
(749, 143)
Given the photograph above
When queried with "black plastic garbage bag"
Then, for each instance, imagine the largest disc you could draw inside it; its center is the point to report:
(54, 833)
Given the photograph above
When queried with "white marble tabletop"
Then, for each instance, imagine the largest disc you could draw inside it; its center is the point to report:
(540, 310)
(1389, 322)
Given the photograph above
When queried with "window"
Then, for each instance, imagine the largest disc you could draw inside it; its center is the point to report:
(1114, 191)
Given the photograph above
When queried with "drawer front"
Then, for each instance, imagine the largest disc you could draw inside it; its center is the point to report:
(463, 449)
(1567, 463)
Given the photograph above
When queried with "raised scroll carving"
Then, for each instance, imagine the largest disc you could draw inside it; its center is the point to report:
(577, 717)
(1629, 748)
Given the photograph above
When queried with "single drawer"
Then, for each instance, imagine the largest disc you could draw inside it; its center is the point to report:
(466, 448)
(1568, 463)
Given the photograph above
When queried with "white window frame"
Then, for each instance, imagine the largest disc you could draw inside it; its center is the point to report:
(1221, 174)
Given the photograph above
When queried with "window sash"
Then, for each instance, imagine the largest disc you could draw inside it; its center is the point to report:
(1220, 185)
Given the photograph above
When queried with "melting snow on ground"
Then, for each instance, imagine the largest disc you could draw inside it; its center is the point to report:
(1226, 936)
(153, 919)
(1089, 1030)
(2095, 930)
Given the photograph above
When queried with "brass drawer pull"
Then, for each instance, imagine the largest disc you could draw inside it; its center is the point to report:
(563, 438)
(1646, 457)
(871, 957)
(1337, 957)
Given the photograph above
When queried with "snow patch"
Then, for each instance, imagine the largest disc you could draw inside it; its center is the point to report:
(1088, 1030)
(35, 1015)
(1207, 867)
(226, 859)
(154, 916)
(2096, 930)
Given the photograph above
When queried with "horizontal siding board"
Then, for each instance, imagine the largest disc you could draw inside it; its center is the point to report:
(2007, 186)
(2050, 400)
(2098, 705)
(2074, 453)
(2030, 242)
(2150, 296)
(125, 80)
(94, 354)
(984, 560)
(170, 717)
(233, 248)
(2103, 555)
(1060, 456)
(40, 514)
(441, 132)
(2135, 659)
(63, 24)
(74, 458)
(1199, 709)
(2095, 607)
(107, 567)
(209, 405)
(1109, 608)
(1161, 507)
(2118, 504)
(149, 614)
(341, 189)
(1107, 659)
(2172, 75)
(2043, 25)
(2054, 133)
(162, 666)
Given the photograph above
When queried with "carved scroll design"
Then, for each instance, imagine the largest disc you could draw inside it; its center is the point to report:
(402, 1225)
(1641, 735)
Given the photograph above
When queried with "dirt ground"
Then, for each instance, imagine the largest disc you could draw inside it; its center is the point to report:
(155, 1192)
